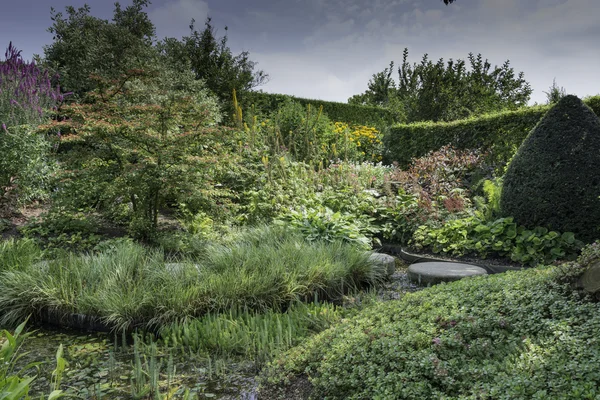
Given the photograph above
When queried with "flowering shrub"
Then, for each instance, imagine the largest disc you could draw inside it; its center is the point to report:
(26, 90)
(360, 142)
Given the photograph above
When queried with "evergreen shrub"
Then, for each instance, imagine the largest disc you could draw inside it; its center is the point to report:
(552, 181)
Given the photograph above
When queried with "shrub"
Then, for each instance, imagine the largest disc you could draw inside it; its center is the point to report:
(305, 132)
(27, 95)
(26, 91)
(360, 142)
(517, 335)
(552, 180)
(325, 225)
(498, 135)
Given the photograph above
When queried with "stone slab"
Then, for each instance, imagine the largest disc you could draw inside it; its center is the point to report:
(425, 273)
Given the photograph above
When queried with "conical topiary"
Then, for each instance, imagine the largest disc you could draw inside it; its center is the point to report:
(554, 179)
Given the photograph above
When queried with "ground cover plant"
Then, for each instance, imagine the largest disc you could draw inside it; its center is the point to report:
(515, 335)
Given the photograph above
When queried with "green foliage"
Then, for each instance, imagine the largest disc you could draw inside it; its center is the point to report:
(26, 164)
(212, 61)
(433, 189)
(501, 237)
(342, 112)
(589, 253)
(499, 135)
(439, 92)
(555, 93)
(15, 254)
(488, 206)
(324, 224)
(85, 45)
(552, 180)
(16, 385)
(64, 229)
(517, 335)
(128, 286)
(380, 89)
(254, 336)
(144, 142)
(304, 132)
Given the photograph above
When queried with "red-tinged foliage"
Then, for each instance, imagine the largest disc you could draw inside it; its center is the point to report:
(123, 154)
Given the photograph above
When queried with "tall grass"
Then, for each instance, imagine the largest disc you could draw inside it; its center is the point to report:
(254, 336)
(130, 286)
(17, 253)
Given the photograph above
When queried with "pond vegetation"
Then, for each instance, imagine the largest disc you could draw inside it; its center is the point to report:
(218, 241)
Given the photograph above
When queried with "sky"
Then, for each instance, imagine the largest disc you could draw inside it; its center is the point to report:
(329, 49)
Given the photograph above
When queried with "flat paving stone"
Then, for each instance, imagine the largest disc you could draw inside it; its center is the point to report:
(435, 272)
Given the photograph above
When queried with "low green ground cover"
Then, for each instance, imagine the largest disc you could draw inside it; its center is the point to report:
(510, 336)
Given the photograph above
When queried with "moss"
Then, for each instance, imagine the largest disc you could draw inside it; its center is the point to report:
(553, 179)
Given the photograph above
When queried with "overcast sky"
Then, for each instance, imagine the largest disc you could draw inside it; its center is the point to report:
(328, 49)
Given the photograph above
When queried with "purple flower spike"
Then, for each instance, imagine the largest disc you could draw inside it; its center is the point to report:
(4, 128)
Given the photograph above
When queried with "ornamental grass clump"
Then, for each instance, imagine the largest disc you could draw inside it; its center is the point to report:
(131, 287)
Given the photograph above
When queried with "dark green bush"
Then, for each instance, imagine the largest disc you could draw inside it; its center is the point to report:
(499, 134)
(339, 112)
(552, 181)
(518, 335)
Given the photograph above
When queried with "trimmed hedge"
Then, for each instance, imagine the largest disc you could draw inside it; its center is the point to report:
(339, 112)
(552, 180)
(500, 134)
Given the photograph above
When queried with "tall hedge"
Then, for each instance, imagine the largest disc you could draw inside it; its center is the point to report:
(553, 179)
(339, 112)
(500, 134)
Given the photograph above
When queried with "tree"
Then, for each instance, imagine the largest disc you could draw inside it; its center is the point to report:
(445, 91)
(379, 91)
(142, 142)
(84, 45)
(213, 61)
(555, 94)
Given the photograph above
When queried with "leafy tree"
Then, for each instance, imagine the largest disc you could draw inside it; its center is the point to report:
(380, 89)
(84, 45)
(213, 61)
(139, 144)
(555, 93)
(445, 91)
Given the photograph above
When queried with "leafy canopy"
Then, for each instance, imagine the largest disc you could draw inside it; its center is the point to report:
(445, 91)
(213, 61)
(84, 45)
